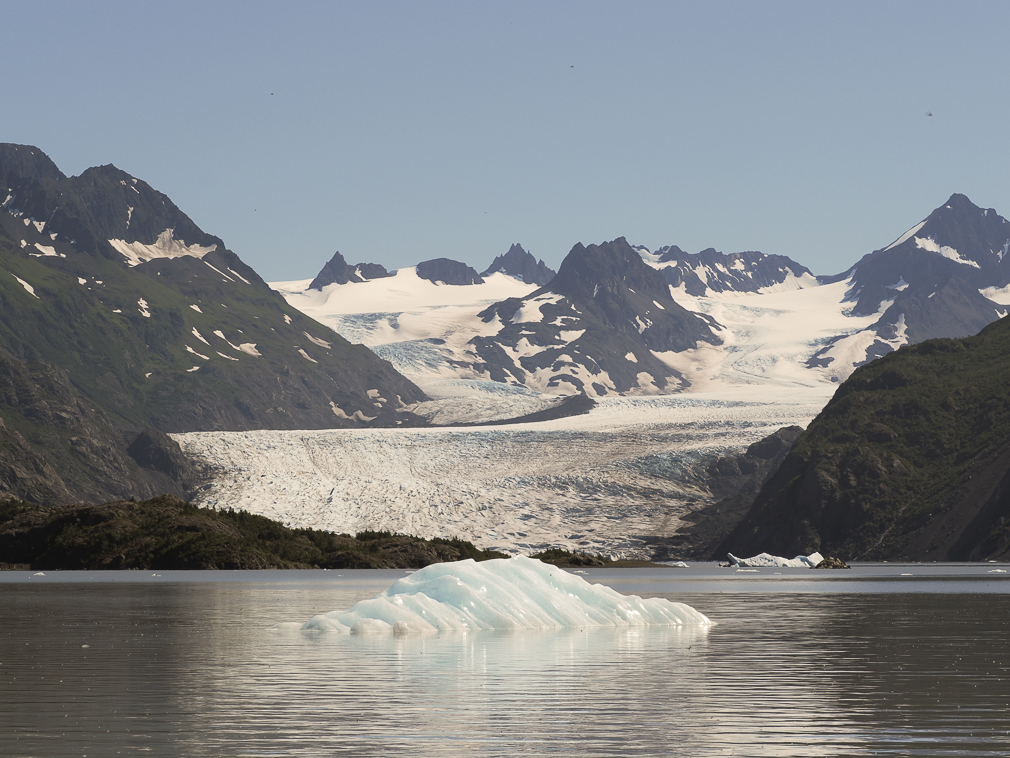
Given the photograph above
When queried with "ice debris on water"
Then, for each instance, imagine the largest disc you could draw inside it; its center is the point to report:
(763, 560)
(505, 593)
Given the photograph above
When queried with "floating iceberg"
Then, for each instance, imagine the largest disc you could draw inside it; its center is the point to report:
(506, 593)
(774, 561)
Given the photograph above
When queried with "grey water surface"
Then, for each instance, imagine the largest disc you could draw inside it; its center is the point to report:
(895, 660)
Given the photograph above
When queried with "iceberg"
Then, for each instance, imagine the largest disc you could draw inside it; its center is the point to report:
(501, 594)
(763, 560)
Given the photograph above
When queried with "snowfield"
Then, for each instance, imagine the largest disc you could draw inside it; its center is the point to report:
(602, 482)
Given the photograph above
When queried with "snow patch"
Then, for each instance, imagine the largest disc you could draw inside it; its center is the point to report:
(142, 307)
(631, 357)
(901, 285)
(195, 307)
(999, 295)
(306, 356)
(907, 235)
(200, 337)
(166, 246)
(316, 341)
(927, 243)
(48, 252)
(28, 288)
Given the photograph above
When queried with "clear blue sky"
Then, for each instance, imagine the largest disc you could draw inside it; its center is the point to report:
(401, 131)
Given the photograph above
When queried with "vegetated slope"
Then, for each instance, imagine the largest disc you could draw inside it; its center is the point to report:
(157, 323)
(909, 460)
(57, 447)
(169, 533)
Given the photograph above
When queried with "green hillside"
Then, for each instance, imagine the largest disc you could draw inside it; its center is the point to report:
(909, 460)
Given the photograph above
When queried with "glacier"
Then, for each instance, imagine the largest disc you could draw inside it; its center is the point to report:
(607, 482)
(501, 594)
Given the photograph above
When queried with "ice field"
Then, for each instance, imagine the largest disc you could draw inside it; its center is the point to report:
(600, 482)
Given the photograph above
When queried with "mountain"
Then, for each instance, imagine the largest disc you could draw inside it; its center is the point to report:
(522, 265)
(157, 323)
(947, 276)
(603, 324)
(339, 271)
(699, 274)
(910, 460)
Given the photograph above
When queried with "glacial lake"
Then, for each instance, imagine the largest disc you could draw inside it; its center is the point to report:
(895, 660)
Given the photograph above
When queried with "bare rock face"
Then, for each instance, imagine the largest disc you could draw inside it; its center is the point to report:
(445, 271)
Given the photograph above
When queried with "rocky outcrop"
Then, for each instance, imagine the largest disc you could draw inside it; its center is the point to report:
(445, 271)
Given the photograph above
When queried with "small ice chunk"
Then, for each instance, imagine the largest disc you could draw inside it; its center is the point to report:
(767, 560)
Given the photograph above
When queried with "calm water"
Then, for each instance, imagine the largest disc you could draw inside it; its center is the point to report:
(801, 663)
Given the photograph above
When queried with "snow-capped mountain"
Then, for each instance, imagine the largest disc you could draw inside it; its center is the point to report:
(157, 322)
(520, 264)
(765, 319)
(947, 276)
(700, 274)
(602, 325)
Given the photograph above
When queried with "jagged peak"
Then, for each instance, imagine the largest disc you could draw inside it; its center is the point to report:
(27, 161)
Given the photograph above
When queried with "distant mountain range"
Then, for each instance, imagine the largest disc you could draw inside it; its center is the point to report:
(608, 324)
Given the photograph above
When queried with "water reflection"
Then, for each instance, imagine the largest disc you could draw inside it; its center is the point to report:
(202, 669)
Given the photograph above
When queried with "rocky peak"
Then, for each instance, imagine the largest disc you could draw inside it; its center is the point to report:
(520, 264)
(339, 271)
